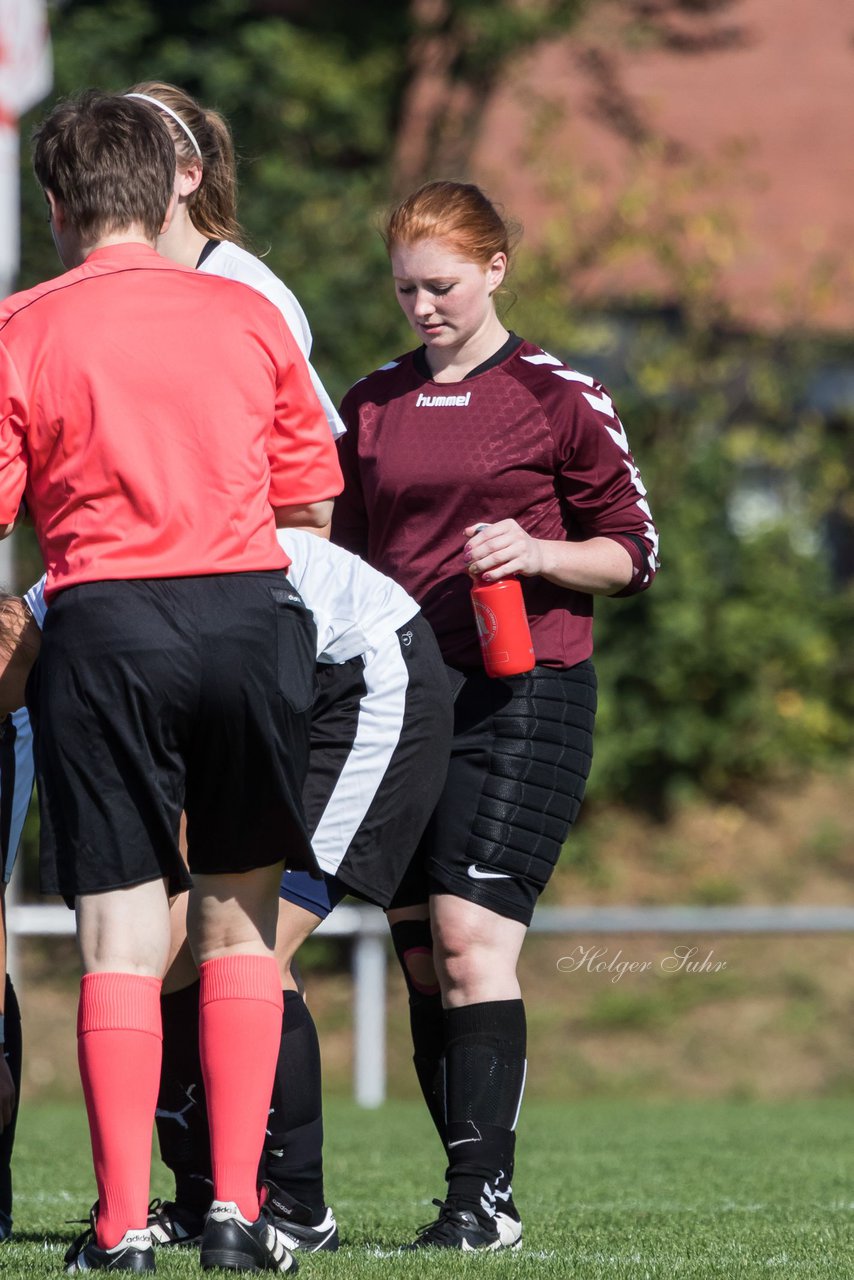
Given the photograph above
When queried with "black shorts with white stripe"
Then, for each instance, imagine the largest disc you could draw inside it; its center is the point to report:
(520, 758)
(380, 739)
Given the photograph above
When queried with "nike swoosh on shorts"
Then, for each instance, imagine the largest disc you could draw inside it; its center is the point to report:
(475, 873)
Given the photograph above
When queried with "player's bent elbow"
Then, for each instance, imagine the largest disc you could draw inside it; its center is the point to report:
(312, 515)
(619, 584)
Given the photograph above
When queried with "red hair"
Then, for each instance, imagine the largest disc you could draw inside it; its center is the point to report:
(458, 213)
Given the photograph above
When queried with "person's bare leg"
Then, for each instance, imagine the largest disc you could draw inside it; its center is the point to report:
(295, 924)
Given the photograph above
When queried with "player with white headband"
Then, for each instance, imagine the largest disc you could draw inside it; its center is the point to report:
(182, 124)
(204, 232)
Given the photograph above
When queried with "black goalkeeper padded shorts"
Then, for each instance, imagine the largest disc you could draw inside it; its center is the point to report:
(520, 759)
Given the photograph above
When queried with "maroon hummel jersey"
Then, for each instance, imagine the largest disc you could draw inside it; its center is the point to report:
(523, 436)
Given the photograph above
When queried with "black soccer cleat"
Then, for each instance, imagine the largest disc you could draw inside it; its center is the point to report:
(456, 1228)
(174, 1224)
(232, 1242)
(507, 1220)
(132, 1253)
(5, 1227)
(509, 1227)
(292, 1219)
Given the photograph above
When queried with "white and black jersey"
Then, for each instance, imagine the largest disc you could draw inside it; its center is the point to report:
(378, 756)
(355, 607)
(222, 258)
(379, 734)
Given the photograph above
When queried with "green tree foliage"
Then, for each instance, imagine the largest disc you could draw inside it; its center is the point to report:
(316, 95)
(733, 667)
(311, 118)
(736, 664)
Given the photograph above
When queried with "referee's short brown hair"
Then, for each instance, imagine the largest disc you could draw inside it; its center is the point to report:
(109, 160)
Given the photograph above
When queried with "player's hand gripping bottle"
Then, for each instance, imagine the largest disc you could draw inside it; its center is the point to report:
(502, 627)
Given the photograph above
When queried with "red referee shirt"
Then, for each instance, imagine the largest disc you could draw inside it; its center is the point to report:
(153, 417)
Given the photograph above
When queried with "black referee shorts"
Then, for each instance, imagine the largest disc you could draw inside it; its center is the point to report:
(158, 695)
(520, 758)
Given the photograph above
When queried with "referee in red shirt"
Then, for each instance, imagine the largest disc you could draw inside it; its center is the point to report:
(159, 423)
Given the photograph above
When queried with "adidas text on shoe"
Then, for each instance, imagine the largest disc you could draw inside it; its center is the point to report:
(232, 1242)
(174, 1224)
(132, 1253)
(456, 1228)
(293, 1221)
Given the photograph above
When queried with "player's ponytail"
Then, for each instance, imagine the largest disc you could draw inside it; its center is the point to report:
(213, 205)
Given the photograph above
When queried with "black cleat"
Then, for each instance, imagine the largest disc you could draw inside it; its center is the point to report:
(173, 1224)
(507, 1219)
(509, 1226)
(132, 1253)
(456, 1228)
(5, 1227)
(232, 1242)
(292, 1219)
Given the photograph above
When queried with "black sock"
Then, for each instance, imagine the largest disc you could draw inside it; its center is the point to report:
(13, 1051)
(485, 1068)
(426, 1019)
(503, 1190)
(293, 1148)
(182, 1116)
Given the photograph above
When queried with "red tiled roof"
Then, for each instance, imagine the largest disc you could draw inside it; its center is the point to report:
(754, 127)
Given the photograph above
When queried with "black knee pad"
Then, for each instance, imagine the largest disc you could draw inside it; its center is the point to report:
(538, 768)
(414, 937)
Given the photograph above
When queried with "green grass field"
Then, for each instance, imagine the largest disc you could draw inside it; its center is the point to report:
(608, 1191)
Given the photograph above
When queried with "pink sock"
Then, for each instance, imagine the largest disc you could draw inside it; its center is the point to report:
(119, 1048)
(240, 1026)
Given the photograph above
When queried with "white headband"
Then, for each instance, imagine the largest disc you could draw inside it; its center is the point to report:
(155, 102)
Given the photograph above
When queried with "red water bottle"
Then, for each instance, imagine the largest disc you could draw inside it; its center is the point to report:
(502, 626)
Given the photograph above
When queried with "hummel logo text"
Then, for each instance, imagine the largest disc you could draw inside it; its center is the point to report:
(441, 402)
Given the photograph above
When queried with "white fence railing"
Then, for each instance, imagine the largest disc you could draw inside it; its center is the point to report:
(367, 927)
